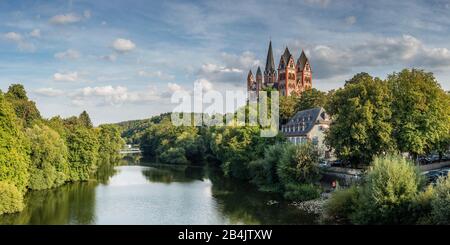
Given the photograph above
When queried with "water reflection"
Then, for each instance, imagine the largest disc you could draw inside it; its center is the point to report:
(156, 194)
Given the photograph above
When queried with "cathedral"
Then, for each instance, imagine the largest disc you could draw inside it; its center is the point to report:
(290, 78)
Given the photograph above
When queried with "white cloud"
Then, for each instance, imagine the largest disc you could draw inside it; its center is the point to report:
(156, 74)
(68, 54)
(67, 77)
(350, 20)
(206, 85)
(173, 87)
(35, 33)
(13, 36)
(49, 92)
(20, 41)
(113, 95)
(123, 45)
(63, 19)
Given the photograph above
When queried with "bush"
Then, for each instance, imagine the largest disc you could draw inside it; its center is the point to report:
(342, 204)
(299, 164)
(11, 199)
(441, 202)
(264, 171)
(391, 187)
(301, 192)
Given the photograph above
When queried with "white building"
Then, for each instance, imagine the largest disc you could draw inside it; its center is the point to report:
(308, 125)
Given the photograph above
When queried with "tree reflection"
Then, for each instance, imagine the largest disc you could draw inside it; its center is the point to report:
(69, 204)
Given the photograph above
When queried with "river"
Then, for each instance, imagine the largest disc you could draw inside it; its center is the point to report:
(156, 195)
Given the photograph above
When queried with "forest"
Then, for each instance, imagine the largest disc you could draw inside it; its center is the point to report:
(38, 153)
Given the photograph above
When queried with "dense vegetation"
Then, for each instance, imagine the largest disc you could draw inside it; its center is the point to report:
(406, 113)
(394, 193)
(37, 154)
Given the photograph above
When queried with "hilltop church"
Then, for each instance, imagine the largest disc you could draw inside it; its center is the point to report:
(290, 77)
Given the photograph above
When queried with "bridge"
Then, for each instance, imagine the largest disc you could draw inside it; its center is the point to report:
(130, 151)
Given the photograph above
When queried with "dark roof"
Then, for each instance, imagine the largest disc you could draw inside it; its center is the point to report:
(301, 62)
(286, 55)
(258, 72)
(270, 64)
(250, 74)
(308, 118)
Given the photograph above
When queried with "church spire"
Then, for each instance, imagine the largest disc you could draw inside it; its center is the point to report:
(270, 64)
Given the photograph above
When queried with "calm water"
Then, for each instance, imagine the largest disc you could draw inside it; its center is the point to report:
(136, 194)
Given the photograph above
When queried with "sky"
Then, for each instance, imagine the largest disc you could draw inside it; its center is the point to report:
(122, 60)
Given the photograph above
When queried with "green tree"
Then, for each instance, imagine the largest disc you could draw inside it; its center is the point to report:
(311, 98)
(85, 120)
(49, 165)
(441, 202)
(392, 186)
(361, 126)
(288, 107)
(11, 199)
(14, 160)
(420, 112)
(299, 164)
(110, 144)
(24, 108)
(82, 144)
(264, 170)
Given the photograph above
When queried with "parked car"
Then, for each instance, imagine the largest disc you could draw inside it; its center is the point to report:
(432, 176)
(324, 164)
(338, 163)
(424, 160)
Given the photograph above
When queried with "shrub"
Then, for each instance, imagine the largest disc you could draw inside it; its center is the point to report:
(342, 204)
(11, 199)
(441, 202)
(301, 192)
(299, 164)
(264, 171)
(391, 187)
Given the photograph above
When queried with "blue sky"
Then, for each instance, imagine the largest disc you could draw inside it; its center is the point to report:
(120, 60)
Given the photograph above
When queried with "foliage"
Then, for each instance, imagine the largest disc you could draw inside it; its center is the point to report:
(25, 109)
(288, 107)
(441, 202)
(174, 155)
(162, 136)
(264, 170)
(361, 116)
(83, 146)
(299, 164)
(110, 144)
(49, 165)
(85, 120)
(391, 187)
(14, 160)
(311, 98)
(420, 112)
(342, 204)
(236, 147)
(301, 192)
(11, 199)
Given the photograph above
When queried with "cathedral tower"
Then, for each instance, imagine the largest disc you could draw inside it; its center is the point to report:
(304, 73)
(287, 76)
(270, 75)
